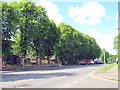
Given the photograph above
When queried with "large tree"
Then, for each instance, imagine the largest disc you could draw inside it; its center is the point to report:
(65, 48)
(35, 34)
(117, 47)
(105, 54)
(9, 20)
(117, 44)
(9, 26)
(51, 38)
(93, 49)
(74, 45)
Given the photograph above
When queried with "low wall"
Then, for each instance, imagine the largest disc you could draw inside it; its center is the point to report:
(28, 67)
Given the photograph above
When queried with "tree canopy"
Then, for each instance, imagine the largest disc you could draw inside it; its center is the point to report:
(28, 31)
(74, 45)
(117, 45)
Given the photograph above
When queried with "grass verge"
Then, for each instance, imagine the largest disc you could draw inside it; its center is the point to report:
(108, 67)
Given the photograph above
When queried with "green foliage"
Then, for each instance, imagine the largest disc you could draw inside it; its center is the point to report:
(92, 48)
(119, 65)
(74, 46)
(27, 31)
(117, 45)
(111, 58)
(106, 55)
(51, 38)
(108, 67)
(26, 23)
(9, 20)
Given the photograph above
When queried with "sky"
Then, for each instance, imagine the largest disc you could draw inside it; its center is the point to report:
(96, 19)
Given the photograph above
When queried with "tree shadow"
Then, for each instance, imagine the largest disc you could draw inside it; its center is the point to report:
(13, 77)
(47, 68)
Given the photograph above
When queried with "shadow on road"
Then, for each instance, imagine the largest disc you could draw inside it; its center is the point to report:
(53, 68)
(34, 76)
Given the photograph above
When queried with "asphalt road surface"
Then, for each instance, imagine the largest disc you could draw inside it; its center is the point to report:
(72, 76)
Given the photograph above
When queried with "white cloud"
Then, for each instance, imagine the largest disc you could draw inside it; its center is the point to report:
(90, 14)
(109, 17)
(52, 10)
(104, 40)
(94, 34)
(116, 16)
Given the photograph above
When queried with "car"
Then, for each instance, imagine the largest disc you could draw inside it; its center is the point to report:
(90, 62)
(82, 63)
(98, 61)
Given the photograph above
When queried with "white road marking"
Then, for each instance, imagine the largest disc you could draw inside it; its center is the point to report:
(75, 82)
(68, 85)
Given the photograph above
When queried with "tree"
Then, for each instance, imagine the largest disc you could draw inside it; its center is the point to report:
(40, 32)
(92, 48)
(27, 12)
(111, 58)
(117, 47)
(74, 46)
(51, 39)
(9, 21)
(64, 50)
(117, 44)
(32, 33)
(106, 55)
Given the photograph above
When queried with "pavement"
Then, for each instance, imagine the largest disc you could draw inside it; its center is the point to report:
(111, 74)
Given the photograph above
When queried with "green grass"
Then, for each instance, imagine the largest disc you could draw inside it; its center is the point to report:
(115, 80)
(108, 67)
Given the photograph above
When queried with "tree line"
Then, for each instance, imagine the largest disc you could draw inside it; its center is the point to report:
(117, 47)
(28, 31)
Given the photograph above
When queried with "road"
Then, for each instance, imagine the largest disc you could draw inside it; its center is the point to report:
(72, 76)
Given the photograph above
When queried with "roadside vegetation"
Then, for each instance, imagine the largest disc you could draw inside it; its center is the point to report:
(109, 58)
(117, 47)
(27, 31)
(108, 67)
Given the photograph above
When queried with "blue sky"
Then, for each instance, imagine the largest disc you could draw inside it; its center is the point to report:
(97, 19)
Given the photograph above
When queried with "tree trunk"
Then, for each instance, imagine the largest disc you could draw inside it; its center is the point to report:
(49, 59)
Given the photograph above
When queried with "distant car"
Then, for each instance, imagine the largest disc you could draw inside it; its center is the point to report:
(116, 60)
(90, 62)
(98, 61)
(82, 63)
